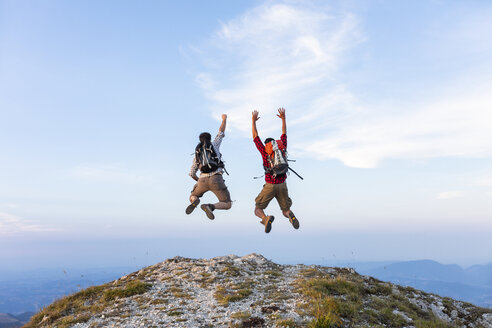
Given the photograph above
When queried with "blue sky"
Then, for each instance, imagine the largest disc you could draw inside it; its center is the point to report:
(388, 110)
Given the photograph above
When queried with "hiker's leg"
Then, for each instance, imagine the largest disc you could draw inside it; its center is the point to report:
(218, 187)
(288, 213)
(259, 213)
(283, 199)
(199, 189)
(263, 199)
(285, 203)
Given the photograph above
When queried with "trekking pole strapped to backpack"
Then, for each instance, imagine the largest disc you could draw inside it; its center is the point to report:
(296, 173)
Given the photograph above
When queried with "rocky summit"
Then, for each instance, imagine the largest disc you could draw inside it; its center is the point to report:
(251, 291)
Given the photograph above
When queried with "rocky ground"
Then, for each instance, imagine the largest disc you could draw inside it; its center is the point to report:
(251, 291)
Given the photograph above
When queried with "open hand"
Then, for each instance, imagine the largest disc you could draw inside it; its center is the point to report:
(255, 116)
(281, 113)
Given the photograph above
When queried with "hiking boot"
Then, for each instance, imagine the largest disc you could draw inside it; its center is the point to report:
(192, 206)
(267, 222)
(293, 220)
(208, 209)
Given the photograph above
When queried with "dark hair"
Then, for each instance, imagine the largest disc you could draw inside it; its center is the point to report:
(267, 140)
(205, 136)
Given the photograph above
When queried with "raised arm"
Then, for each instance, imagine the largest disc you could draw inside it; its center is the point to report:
(281, 114)
(223, 124)
(255, 118)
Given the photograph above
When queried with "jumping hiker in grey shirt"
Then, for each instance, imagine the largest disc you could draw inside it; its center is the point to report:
(208, 160)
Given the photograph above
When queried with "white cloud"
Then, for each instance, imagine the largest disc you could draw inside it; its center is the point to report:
(109, 173)
(450, 194)
(12, 224)
(455, 127)
(274, 55)
(288, 55)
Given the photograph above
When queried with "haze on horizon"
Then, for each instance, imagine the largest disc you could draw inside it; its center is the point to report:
(388, 116)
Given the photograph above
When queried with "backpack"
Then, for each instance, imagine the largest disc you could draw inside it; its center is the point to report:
(207, 158)
(277, 158)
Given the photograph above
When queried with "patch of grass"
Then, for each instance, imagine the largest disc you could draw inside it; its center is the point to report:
(321, 306)
(158, 301)
(434, 323)
(273, 273)
(71, 320)
(179, 293)
(236, 293)
(285, 323)
(448, 306)
(310, 272)
(325, 313)
(278, 296)
(74, 305)
(360, 302)
(241, 315)
(134, 287)
(81, 306)
(187, 277)
(380, 289)
(347, 309)
(408, 290)
(370, 316)
(231, 270)
(409, 308)
(390, 319)
(328, 286)
(258, 302)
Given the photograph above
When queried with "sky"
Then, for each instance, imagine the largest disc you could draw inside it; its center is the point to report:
(388, 109)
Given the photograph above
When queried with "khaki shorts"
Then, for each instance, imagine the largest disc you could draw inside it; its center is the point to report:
(215, 184)
(269, 191)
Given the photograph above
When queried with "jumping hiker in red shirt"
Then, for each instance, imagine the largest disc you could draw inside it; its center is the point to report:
(275, 174)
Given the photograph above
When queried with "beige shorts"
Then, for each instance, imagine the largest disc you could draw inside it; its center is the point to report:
(269, 191)
(215, 184)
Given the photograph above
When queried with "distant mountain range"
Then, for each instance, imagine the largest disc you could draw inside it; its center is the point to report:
(25, 291)
(8, 320)
(473, 284)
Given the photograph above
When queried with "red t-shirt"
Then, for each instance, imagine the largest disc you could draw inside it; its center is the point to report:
(261, 148)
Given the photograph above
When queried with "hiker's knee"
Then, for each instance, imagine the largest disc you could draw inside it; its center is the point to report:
(227, 205)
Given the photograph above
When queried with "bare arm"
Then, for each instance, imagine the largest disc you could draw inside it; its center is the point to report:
(281, 114)
(255, 118)
(193, 170)
(223, 124)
